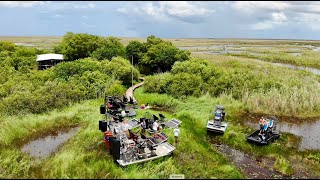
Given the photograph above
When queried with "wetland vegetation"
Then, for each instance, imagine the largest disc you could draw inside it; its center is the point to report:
(178, 83)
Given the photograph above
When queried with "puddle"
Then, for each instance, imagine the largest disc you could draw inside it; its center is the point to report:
(252, 168)
(314, 48)
(308, 131)
(44, 146)
(317, 49)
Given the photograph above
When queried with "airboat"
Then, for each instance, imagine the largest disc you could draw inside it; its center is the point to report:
(266, 134)
(127, 147)
(114, 106)
(217, 124)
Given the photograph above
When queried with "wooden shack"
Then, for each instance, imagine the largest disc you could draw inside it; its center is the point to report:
(48, 60)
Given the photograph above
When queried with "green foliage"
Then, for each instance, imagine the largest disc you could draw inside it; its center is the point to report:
(77, 46)
(83, 45)
(25, 89)
(116, 89)
(160, 57)
(7, 46)
(155, 55)
(65, 70)
(184, 84)
(109, 48)
(198, 67)
(135, 50)
(120, 69)
(158, 83)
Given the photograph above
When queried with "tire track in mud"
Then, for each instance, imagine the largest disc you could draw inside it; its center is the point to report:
(251, 168)
(256, 167)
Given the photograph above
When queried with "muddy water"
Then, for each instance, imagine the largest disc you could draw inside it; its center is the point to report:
(44, 146)
(251, 167)
(308, 132)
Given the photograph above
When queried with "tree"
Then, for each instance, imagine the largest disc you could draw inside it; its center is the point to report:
(161, 57)
(120, 69)
(152, 40)
(135, 50)
(76, 46)
(65, 70)
(109, 48)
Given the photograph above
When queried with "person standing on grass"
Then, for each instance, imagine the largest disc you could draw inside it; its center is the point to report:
(176, 133)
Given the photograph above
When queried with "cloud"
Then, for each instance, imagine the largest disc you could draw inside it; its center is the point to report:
(57, 16)
(84, 6)
(309, 19)
(268, 15)
(24, 4)
(257, 6)
(167, 10)
(274, 20)
(279, 17)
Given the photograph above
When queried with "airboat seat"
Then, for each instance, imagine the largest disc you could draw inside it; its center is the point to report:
(162, 117)
(155, 118)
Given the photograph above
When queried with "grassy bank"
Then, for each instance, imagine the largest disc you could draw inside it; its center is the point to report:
(85, 155)
(290, 92)
(284, 151)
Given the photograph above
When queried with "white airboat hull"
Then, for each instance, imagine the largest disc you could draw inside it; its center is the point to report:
(211, 126)
(163, 149)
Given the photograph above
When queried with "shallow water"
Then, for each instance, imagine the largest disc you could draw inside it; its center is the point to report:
(44, 146)
(313, 70)
(23, 44)
(309, 132)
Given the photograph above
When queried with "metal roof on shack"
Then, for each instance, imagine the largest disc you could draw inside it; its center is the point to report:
(45, 57)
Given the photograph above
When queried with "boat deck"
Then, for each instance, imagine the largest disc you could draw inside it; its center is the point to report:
(161, 150)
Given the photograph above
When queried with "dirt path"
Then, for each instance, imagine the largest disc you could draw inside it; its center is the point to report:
(129, 92)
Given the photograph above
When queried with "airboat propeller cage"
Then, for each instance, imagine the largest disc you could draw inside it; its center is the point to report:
(216, 124)
(220, 107)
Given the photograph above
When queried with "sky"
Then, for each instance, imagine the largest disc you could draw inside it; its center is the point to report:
(164, 19)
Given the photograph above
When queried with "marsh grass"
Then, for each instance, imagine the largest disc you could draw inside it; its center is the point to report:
(296, 92)
(85, 155)
(282, 165)
(308, 58)
(194, 112)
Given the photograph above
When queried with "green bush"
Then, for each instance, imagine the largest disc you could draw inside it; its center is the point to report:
(109, 48)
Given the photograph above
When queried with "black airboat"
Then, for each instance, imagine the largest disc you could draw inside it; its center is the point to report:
(266, 134)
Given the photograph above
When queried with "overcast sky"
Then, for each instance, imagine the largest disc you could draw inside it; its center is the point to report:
(164, 19)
